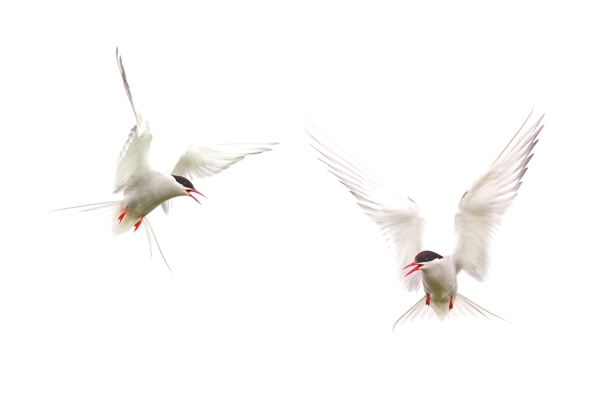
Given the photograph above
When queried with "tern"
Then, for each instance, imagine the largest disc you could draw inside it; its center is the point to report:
(479, 215)
(144, 188)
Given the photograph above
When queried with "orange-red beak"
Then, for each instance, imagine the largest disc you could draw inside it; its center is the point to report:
(416, 268)
(190, 191)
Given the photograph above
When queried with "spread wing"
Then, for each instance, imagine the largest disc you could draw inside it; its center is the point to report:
(133, 159)
(398, 216)
(201, 161)
(481, 208)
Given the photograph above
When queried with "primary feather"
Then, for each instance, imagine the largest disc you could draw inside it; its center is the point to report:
(202, 161)
(144, 188)
(133, 159)
(397, 216)
(479, 214)
(481, 208)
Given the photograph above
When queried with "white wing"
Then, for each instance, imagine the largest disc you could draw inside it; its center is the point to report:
(133, 160)
(205, 160)
(398, 216)
(481, 208)
(202, 161)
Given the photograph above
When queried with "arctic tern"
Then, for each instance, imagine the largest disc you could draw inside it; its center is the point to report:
(479, 215)
(144, 188)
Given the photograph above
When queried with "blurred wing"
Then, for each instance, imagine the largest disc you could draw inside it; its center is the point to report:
(206, 160)
(166, 206)
(481, 208)
(398, 216)
(133, 160)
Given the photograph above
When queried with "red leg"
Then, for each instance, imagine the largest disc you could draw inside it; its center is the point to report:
(451, 304)
(123, 214)
(137, 224)
(427, 298)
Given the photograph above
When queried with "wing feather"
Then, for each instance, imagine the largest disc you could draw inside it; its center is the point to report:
(133, 159)
(481, 208)
(398, 217)
(201, 161)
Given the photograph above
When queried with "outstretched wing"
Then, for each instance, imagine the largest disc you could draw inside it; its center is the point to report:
(133, 159)
(481, 208)
(201, 161)
(398, 216)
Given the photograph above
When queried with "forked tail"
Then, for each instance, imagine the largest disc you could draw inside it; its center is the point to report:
(461, 305)
(114, 210)
(151, 236)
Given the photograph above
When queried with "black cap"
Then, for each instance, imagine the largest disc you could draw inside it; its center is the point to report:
(185, 182)
(426, 256)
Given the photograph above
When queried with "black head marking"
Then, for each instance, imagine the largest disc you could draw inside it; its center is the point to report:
(184, 182)
(426, 256)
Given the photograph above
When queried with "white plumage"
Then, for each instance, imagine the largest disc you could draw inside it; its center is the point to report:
(144, 188)
(479, 215)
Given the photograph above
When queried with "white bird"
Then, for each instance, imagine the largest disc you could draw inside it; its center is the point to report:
(479, 214)
(144, 188)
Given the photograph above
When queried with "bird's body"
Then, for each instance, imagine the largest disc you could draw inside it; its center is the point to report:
(439, 282)
(144, 194)
(144, 188)
(479, 215)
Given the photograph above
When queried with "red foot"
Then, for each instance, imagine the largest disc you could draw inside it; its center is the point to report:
(137, 224)
(451, 304)
(123, 214)
(427, 299)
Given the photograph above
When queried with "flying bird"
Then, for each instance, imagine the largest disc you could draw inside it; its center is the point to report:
(144, 188)
(479, 215)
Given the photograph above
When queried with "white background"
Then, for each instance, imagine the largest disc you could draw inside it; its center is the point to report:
(282, 288)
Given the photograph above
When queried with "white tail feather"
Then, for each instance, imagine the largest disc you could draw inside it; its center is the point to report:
(151, 236)
(461, 305)
(115, 209)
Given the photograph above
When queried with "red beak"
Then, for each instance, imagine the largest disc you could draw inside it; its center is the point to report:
(190, 191)
(416, 268)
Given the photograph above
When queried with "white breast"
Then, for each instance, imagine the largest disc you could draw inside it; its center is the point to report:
(439, 279)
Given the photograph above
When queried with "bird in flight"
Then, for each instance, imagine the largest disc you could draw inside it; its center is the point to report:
(479, 215)
(144, 188)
